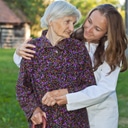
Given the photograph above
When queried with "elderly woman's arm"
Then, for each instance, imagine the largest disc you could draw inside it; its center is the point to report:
(25, 95)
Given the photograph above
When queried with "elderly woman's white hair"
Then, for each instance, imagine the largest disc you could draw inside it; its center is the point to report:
(59, 9)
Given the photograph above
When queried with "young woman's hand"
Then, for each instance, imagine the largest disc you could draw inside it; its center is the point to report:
(61, 100)
(49, 98)
(37, 116)
(24, 50)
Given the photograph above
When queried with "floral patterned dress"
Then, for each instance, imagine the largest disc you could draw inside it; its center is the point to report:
(66, 65)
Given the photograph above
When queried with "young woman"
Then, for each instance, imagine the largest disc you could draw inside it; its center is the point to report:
(104, 36)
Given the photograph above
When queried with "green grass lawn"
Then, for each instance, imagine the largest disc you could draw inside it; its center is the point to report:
(11, 115)
(122, 93)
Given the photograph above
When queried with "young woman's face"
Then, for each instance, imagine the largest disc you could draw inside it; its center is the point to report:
(63, 27)
(95, 27)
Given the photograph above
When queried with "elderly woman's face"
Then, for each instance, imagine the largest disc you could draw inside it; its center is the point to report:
(63, 27)
(95, 27)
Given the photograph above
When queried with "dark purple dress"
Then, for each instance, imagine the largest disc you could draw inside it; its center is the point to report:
(66, 65)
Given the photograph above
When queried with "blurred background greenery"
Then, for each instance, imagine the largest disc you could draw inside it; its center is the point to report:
(34, 9)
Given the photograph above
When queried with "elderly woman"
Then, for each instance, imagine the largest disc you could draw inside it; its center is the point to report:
(59, 62)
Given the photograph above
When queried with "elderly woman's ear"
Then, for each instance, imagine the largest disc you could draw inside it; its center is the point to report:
(50, 23)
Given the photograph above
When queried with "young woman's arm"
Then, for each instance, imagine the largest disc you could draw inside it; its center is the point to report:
(106, 85)
(17, 59)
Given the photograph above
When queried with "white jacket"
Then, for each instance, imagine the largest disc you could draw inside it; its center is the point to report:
(17, 59)
(100, 100)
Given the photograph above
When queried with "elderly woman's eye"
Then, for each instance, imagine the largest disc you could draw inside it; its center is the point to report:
(74, 23)
(67, 21)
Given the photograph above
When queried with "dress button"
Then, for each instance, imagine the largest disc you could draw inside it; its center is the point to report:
(56, 51)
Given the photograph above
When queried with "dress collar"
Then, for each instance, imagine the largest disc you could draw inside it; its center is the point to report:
(46, 43)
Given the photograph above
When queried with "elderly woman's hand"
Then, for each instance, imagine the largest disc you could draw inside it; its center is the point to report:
(49, 98)
(24, 50)
(36, 117)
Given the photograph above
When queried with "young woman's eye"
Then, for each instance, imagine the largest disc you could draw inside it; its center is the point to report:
(97, 29)
(89, 20)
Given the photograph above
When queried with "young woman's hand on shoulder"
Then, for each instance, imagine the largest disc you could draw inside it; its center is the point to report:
(24, 50)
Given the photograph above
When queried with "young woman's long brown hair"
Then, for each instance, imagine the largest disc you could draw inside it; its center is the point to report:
(114, 54)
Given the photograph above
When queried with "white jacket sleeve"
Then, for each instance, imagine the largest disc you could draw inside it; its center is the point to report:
(17, 59)
(106, 84)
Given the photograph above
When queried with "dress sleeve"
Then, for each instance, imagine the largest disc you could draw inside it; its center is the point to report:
(95, 94)
(24, 89)
(17, 59)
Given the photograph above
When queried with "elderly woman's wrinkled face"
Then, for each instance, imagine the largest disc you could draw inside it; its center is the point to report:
(95, 27)
(63, 27)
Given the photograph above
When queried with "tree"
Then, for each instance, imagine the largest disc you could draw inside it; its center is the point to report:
(34, 9)
(86, 5)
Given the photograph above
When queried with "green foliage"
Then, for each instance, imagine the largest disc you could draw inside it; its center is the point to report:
(86, 5)
(34, 9)
(11, 115)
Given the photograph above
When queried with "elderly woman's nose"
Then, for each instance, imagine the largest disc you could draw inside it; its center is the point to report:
(71, 27)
